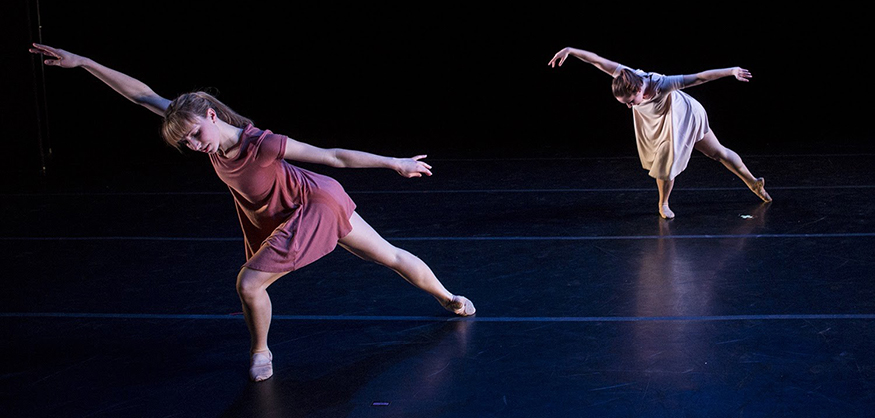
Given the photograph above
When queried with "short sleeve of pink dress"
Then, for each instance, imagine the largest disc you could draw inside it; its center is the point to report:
(290, 217)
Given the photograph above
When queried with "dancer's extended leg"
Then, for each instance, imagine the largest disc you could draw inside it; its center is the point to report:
(366, 243)
(252, 289)
(710, 146)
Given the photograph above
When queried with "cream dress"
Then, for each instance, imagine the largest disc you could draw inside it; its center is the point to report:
(667, 126)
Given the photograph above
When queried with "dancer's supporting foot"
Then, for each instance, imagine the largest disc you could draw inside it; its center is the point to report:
(261, 366)
(664, 187)
(461, 306)
(665, 212)
(759, 188)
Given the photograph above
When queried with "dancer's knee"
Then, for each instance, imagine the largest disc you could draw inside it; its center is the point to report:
(716, 154)
(712, 156)
(712, 148)
(245, 290)
(248, 286)
(393, 258)
(383, 253)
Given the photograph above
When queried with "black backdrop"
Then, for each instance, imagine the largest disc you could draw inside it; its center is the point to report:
(450, 80)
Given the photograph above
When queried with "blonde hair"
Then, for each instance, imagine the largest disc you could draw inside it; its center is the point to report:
(627, 83)
(183, 110)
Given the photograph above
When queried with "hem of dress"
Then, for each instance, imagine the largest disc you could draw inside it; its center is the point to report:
(264, 270)
(665, 179)
(295, 266)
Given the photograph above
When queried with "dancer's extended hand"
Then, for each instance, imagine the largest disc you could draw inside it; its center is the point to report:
(61, 58)
(559, 58)
(412, 167)
(741, 74)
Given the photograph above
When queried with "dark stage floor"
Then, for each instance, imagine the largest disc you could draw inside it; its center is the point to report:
(119, 299)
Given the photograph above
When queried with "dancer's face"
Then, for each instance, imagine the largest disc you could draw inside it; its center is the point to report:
(633, 99)
(203, 134)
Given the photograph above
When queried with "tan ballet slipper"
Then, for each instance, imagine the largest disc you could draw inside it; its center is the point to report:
(665, 212)
(759, 188)
(261, 366)
(461, 306)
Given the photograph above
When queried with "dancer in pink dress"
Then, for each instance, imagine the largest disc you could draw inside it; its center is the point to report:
(290, 216)
(668, 122)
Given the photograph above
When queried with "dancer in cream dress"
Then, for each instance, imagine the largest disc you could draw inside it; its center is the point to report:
(669, 123)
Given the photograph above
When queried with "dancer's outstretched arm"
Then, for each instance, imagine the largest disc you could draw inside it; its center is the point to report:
(599, 62)
(739, 73)
(345, 158)
(129, 87)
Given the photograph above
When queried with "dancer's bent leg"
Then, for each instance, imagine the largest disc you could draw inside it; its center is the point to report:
(252, 289)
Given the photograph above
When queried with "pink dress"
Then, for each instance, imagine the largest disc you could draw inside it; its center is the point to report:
(290, 217)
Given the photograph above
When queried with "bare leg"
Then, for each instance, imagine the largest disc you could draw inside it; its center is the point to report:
(710, 146)
(252, 289)
(664, 187)
(366, 243)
